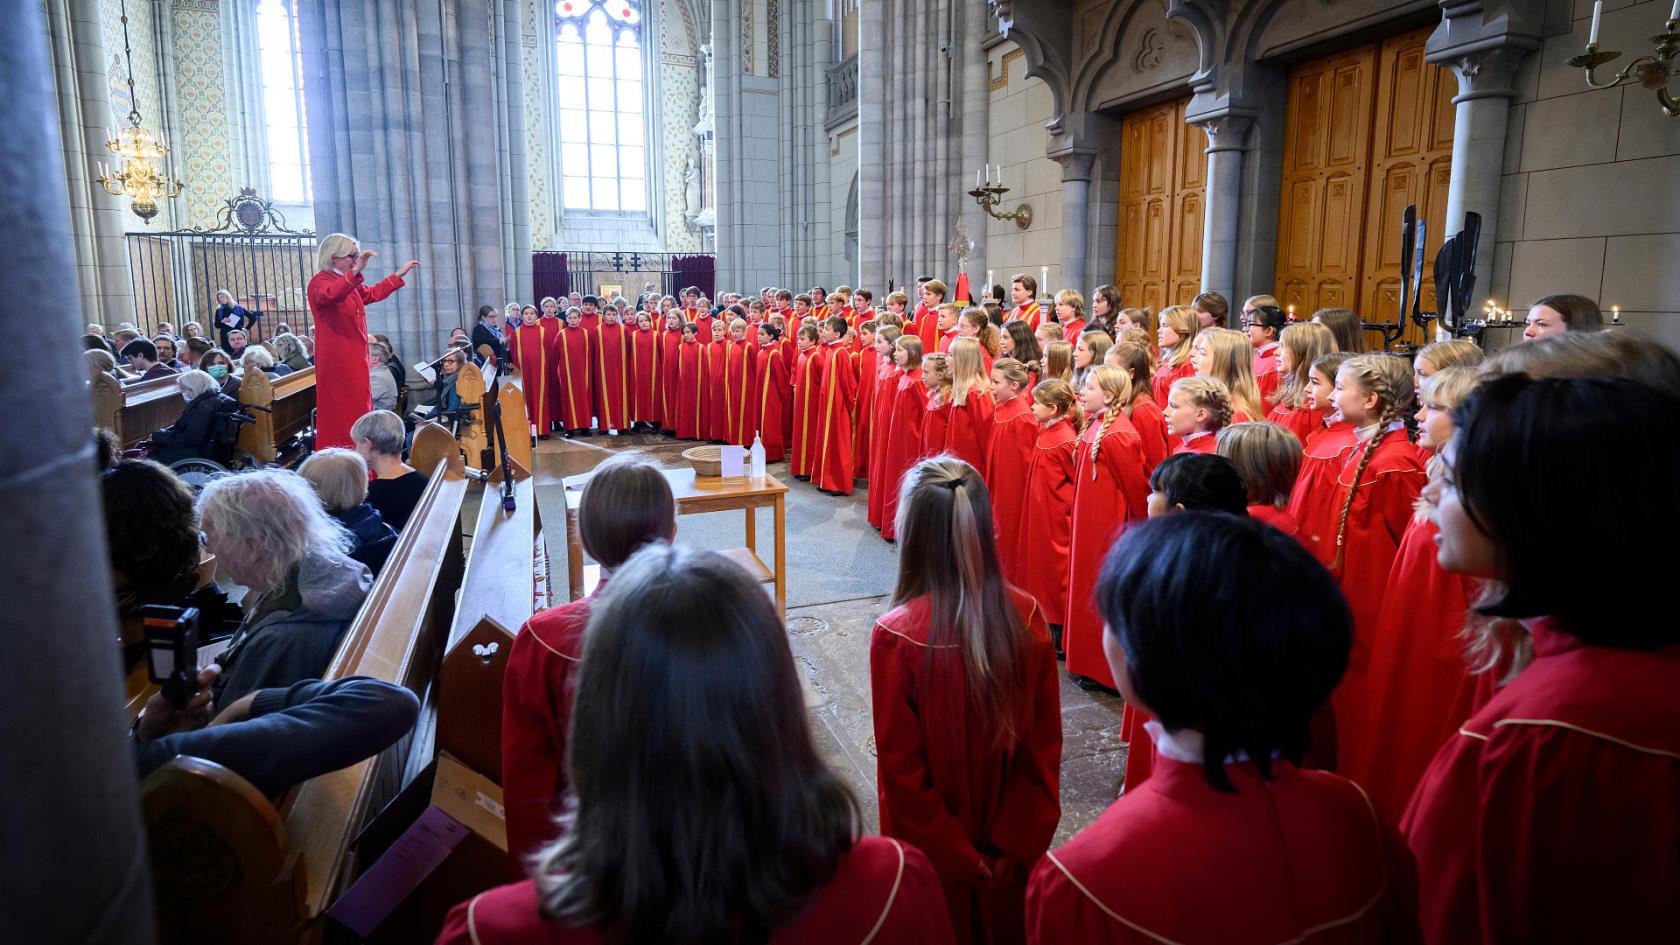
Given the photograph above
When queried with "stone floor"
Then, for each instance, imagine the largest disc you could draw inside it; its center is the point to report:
(840, 575)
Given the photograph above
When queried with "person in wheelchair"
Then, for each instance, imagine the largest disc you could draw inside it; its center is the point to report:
(203, 426)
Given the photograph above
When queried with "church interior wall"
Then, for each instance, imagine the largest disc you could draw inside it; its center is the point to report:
(1020, 108)
(842, 172)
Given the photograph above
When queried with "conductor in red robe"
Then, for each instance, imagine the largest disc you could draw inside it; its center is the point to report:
(1232, 635)
(338, 297)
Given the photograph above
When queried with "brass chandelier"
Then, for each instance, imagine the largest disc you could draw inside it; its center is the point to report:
(138, 176)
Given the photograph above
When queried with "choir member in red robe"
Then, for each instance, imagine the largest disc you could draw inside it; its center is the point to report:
(626, 504)
(338, 296)
(1111, 489)
(1177, 336)
(904, 437)
(969, 436)
(832, 467)
(1292, 404)
(769, 384)
(534, 358)
(612, 372)
(717, 357)
(1268, 458)
(807, 401)
(591, 315)
(863, 413)
(644, 373)
(1265, 325)
(936, 426)
(948, 315)
(1551, 815)
(670, 341)
(1232, 634)
(927, 315)
(690, 396)
(1145, 414)
(966, 711)
(1044, 531)
(1325, 447)
(886, 392)
(686, 672)
(1009, 454)
(1023, 291)
(573, 349)
(739, 358)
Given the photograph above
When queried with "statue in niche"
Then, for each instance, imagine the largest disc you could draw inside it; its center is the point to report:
(691, 188)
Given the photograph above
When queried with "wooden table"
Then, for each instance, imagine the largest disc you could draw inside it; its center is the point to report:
(696, 494)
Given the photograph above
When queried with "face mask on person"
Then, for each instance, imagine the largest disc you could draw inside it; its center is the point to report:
(217, 371)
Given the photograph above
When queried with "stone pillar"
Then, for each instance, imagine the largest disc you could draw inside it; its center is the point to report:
(516, 199)
(1482, 110)
(78, 852)
(976, 25)
(873, 62)
(1076, 217)
(1221, 213)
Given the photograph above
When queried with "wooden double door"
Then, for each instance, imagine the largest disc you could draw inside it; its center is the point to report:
(1163, 188)
(1369, 131)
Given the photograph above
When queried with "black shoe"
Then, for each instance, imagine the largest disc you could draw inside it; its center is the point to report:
(1091, 685)
(583, 433)
(1056, 641)
(542, 436)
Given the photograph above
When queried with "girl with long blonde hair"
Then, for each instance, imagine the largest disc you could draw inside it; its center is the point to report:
(1227, 354)
(1175, 337)
(971, 404)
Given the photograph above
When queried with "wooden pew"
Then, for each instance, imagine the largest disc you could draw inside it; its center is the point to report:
(291, 399)
(138, 410)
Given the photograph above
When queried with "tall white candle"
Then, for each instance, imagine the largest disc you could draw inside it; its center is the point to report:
(1000, 175)
(1044, 280)
(976, 180)
(989, 282)
(1674, 11)
(1598, 11)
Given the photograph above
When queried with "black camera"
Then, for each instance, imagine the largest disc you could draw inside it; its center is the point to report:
(172, 650)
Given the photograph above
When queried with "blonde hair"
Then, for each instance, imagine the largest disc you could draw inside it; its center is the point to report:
(1230, 357)
(1254, 301)
(968, 370)
(1451, 352)
(1306, 342)
(1390, 379)
(1073, 298)
(1449, 387)
(1049, 331)
(1184, 321)
(939, 365)
(340, 477)
(334, 244)
(99, 361)
(265, 522)
(1117, 384)
(1208, 393)
(257, 357)
(382, 430)
(1267, 456)
(1013, 371)
(1058, 395)
(888, 333)
(1058, 361)
(1144, 340)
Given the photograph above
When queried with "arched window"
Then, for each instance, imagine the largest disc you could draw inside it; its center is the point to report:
(286, 134)
(602, 114)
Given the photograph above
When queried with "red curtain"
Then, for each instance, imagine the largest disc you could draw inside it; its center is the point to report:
(549, 276)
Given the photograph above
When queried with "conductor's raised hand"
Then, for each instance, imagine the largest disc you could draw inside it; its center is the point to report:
(363, 259)
(408, 267)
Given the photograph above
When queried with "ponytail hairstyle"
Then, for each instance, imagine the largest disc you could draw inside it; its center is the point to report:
(1058, 395)
(1144, 340)
(939, 365)
(1027, 350)
(1390, 378)
(889, 334)
(984, 331)
(1267, 456)
(1214, 304)
(1349, 330)
(1447, 387)
(1184, 321)
(968, 370)
(1013, 371)
(948, 554)
(1306, 342)
(1452, 352)
(1058, 361)
(911, 345)
(1229, 356)
(1208, 393)
(1117, 384)
(1134, 360)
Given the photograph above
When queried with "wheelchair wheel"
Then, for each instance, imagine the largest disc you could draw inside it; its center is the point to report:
(197, 472)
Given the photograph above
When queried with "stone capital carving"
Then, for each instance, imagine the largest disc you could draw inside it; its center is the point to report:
(1484, 42)
(1076, 162)
(1226, 131)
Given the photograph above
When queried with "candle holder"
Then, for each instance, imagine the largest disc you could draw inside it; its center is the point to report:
(1653, 71)
(989, 196)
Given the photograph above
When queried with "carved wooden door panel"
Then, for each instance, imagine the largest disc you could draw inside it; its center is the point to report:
(1162, 191)
(1189, 196)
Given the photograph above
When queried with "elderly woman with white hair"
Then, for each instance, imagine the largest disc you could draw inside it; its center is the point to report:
(271, 534)
(338, 296)
(258, 359)
(191, 435)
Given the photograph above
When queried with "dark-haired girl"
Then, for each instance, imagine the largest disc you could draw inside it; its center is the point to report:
(967, 714)
(703, 812)
(1231, 635)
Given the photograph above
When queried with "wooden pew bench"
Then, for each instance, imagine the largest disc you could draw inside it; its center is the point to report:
(135, 411)
(291, 402)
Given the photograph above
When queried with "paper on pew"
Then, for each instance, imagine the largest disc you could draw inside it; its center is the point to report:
(426, 371)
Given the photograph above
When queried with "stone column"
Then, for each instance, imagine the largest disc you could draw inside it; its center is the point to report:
(516, 197)
(1221, 214)
(873, 51)
(976, 25)
(1076, 217)
(78, 852)
(1482, 110)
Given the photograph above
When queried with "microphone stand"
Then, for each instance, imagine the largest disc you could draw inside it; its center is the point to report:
(500, 444)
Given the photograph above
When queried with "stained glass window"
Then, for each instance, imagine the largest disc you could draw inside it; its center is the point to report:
(282, 98)
(602, 115)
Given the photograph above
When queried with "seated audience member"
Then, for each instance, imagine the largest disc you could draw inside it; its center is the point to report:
(96, 329)
(289, 350)
(445, 398)
(193, 351)
(151, 534)
(702, 810)
(122, 336)
(166, 349)
(235, 343)
(1231, 635)
(100, 361)
(393, 360)
(1187, 482)
(626, 504)
(380, 380)
(1556, 314)
(271, 535)
(142, 357)
(280, 737)
(340, 478)
(220, 367)
(396, 487)
(194, 434)
(190, 330)
(1551, 815)
(107, 449)
(93, 342)
(258, 359)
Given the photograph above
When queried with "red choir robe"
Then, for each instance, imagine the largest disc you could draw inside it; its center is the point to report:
(946, 786)
(925, 325)
(945, 339)
(717, 363)
(705, 324)
(342, 389)
(1045, 528)
(1310, 502)
(1028, 313)
(537, 690)
(1298, 858)
(1297, 420)
(883, 891)
(833, 466)
(769, 397)
(885, 397)
(1283, 522)
(904, 442)
(1152, 430)
(644, 376)
(612, 376)
(936, 426)
(1551, 815)
(1162, 382)
(1072, 330)
(970, 434)
(1009, 456)
(738, 418)
(670, 342)
(1266, 370)
(1419, 686)
(1382, 507)
(530, 352)
(807, 409)
(574, 377)
(589, 321)
(863, 413)
(1110, 490)
(690, 396)
(1204, 442)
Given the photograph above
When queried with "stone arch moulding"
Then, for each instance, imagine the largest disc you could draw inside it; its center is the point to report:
(1132, 56)
(1043, 29)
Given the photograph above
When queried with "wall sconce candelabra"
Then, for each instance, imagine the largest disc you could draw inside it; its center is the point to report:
(1653, 71)
(988, 195)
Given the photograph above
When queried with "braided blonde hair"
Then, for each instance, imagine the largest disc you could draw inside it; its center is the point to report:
(1390, 378)
(1117, 384)
(1208, 393)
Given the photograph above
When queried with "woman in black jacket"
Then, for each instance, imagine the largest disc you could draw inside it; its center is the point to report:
(340, 478)
(192, 434)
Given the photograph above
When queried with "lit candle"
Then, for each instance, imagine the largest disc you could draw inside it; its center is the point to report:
(1598, 11)
(976, 180)
(1616, 310)
(1291, 313)
(989, 282)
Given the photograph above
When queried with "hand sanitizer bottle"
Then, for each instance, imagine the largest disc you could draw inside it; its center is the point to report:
(757, 457)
